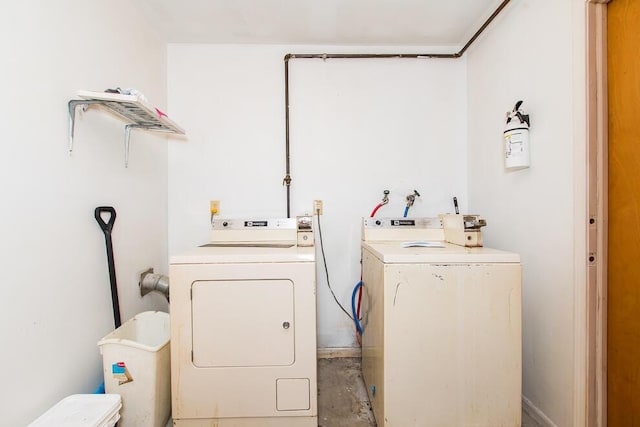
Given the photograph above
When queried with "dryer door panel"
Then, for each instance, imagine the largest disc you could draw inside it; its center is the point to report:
(240, 323)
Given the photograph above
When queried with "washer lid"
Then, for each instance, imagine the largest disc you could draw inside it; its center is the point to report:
(245, 253)
(392, 252)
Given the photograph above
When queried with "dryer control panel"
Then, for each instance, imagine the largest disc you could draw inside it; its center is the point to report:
(290, 231)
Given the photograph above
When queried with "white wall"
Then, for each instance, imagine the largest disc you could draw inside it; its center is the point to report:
(530, 54)
(357, 127)
(56, 302)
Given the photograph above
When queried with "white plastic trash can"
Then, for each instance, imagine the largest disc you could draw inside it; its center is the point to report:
(82, 410)
(137, 366)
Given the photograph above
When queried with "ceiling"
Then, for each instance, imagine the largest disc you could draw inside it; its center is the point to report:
(319, 22)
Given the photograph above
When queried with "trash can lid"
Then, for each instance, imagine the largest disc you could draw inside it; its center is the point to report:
(82, 410)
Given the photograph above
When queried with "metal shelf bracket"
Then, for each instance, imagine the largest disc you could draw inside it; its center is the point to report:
(127, 137)
(72, 116)
(131, 108)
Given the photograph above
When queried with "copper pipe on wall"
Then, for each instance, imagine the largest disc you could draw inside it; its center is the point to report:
(483, 27)
(287, 179)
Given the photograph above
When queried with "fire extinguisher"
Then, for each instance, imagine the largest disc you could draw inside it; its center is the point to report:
(516, 139)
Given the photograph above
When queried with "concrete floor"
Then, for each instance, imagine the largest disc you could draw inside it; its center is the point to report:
(342, 396)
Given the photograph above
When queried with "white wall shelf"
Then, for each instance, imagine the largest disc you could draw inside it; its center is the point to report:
(132, 108)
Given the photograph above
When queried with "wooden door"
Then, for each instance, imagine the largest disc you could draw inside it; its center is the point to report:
(623, 323)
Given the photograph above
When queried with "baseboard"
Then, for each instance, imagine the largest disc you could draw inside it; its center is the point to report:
(534, 412)
(335, 352)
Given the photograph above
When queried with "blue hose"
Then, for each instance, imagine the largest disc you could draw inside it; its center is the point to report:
(406, 211)
(353, 307)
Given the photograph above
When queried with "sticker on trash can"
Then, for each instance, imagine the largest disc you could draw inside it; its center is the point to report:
(121, 373)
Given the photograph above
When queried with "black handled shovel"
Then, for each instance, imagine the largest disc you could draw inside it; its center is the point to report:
(106, 228)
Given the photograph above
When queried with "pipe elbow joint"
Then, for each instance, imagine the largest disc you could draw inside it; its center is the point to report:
(152, 282)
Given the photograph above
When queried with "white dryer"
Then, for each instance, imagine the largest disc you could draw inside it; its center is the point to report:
(442, 328)
(243, 327)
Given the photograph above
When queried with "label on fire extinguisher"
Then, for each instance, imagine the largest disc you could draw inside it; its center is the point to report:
(516, 139)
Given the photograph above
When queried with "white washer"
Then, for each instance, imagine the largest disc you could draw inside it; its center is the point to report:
(442, 329)
(243, 327)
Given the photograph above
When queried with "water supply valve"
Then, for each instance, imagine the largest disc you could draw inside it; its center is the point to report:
(411, 198)
(385, 198)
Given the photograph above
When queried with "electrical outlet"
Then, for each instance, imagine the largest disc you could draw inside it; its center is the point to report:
(214, 207)
(317, 207)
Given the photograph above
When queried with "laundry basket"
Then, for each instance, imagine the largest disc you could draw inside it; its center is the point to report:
(136, 363)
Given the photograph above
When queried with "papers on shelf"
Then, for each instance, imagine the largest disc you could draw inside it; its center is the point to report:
(423, 244)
